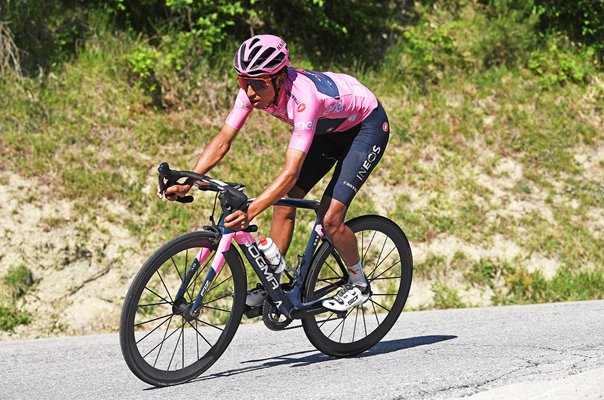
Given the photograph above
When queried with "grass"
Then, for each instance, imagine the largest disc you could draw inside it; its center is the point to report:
(466, 94)
(18, 281)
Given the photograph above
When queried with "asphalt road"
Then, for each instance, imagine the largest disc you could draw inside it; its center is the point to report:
(551, 351)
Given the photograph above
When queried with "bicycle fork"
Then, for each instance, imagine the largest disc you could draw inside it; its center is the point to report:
(191, 311)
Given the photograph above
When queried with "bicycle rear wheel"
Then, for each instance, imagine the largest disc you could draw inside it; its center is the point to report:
(162, 347)
(388, 265)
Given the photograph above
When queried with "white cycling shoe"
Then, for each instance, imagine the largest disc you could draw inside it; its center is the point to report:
(255, 297)
(348, 297)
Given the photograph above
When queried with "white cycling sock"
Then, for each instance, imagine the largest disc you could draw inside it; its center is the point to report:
(356, 276)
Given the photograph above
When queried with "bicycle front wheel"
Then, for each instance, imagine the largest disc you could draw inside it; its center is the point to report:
(159, 344)
(387, 262)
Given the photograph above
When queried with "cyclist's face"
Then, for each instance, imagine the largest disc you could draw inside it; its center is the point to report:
(259, 90)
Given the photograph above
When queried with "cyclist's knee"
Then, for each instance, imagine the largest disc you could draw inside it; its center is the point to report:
(296, 193)
(282, 213)
(333, 222)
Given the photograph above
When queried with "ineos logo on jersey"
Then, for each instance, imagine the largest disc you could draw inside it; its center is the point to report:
(334, 108)
(304, 125)
(371, 157)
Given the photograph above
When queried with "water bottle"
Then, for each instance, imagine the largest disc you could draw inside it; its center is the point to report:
(272, 254)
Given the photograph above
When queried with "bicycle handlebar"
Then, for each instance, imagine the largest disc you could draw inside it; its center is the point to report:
(231, 194)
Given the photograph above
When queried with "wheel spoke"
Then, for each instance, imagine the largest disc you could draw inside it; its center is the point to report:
(165, 287)
(217, 309)
(380, 255)
(343, 319)
(389, 268)
(385, 258)
(183, 346)
(356, 317)
(181, 277)
(175, 347)
(327, 280)
(364, 322)
(154, 304)
(385, 279)
(154, 329)
(207, 323)
(333, 270)
(196, 338)
(368, 246)
(376, 314)
(342, 331)
(154, 319)
(379, 305)
(167, 302)
(162, 342)
(199, 334)
(214, 287)
(213, 300)
(323, 321)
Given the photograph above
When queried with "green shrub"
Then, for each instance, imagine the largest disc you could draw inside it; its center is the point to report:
(19, 280)
(445, 297)
(10, 317)
(581, 20)
(559, 63)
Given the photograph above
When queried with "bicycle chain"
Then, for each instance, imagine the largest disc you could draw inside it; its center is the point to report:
(271, 315)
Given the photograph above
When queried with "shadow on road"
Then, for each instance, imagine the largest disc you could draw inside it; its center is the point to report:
(298, 359)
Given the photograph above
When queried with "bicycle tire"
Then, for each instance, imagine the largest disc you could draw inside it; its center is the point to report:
(231, 306)
(319, 280)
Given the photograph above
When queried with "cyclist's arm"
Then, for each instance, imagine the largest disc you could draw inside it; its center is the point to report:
(216, 149)
(210, 156)
(281, 184)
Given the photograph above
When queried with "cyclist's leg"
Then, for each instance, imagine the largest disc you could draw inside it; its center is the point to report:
(316, 165)
(284, 219)
(359, 160)
(332, 214)
(352, 171)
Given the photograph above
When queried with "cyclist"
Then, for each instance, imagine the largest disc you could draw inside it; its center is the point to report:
(336, 121)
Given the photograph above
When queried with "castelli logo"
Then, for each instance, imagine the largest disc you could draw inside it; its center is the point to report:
(385, 126)
(301, 107)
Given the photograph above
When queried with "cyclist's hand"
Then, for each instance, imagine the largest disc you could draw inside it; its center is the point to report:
(174, 191)
(237, 221)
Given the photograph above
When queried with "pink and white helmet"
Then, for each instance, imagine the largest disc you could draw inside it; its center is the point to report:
(261, 55)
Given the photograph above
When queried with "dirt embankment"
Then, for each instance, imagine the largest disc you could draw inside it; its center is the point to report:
(83, 262)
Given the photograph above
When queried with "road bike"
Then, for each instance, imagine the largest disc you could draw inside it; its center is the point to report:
(187, 301)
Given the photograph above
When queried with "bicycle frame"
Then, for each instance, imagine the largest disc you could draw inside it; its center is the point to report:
(289, 299)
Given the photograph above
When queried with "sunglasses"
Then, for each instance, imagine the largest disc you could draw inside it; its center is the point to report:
(257, 84)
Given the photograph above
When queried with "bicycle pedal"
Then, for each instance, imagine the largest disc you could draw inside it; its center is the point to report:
(253, 312)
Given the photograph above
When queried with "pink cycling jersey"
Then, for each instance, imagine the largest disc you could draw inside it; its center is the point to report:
(313, 102)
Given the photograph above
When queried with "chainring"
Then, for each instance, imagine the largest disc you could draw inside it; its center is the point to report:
(273, 319)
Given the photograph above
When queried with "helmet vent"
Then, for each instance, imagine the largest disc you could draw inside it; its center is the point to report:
(263, 57)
